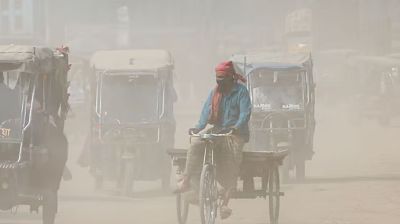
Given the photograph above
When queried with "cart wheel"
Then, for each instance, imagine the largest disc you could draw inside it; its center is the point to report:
(50, 203)
(208, 195)
(182, 209)
(274, 195)
(128, 176)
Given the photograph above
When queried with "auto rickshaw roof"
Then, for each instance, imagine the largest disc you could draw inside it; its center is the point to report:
(28, 59)
(131, 60)
(265, 60)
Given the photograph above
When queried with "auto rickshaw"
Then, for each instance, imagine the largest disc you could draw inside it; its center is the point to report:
(33, 147)
(376, 88)
(281, 88)
(132, 121)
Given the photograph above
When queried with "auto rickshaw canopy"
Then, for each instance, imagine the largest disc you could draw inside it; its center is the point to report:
(247, 63)
(131, 60)
(28, 59)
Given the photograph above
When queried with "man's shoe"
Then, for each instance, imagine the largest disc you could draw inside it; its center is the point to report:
(225, 212)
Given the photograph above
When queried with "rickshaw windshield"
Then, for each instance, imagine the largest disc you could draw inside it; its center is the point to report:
(277, 90)
(129, 99)
(12, 101)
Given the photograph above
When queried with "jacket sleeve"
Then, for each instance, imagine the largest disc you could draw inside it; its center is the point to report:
(205, 113)
(245, 109)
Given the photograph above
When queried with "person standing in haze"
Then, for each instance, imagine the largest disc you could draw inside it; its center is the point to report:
(228, 109)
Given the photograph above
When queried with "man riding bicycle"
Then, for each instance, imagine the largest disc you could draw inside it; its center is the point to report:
(228, 109)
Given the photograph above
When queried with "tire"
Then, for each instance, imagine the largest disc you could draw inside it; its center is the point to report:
(208, 195)
(274, 195)
(300, 170)
(182, 209)
(50, 204)
(128, 177)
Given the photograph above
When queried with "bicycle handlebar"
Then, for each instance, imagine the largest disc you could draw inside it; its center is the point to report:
(212, 134)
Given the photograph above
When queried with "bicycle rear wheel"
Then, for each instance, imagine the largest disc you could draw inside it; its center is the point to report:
(208, 195)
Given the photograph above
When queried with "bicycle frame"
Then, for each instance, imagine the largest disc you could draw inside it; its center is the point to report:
(208, 157)
(210, 144)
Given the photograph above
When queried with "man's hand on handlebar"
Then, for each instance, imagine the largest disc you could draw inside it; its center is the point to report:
(228, 131)
(194, 131)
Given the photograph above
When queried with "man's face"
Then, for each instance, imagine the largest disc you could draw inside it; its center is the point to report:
(223, 79)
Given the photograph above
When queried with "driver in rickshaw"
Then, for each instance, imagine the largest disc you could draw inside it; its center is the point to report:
(228, 109)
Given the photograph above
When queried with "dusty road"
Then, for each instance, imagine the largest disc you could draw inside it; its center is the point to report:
(354, 178)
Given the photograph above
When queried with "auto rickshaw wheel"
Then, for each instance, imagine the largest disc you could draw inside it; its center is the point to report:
(50, 204)
(128, 177)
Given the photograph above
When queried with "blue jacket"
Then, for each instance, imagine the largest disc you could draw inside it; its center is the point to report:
(235, 109)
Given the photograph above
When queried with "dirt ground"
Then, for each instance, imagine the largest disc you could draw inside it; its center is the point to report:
(354, 178)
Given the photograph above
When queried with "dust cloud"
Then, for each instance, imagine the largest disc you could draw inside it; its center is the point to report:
(353, 45)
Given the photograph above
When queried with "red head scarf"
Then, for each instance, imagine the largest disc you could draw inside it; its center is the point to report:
(225, 69)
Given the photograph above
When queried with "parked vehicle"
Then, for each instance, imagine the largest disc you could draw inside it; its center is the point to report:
(281, 88)
(132, 113)
(33, 147)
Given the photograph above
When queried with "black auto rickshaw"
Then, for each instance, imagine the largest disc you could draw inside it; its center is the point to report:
(376, 88)
(132, 121)
(33, 147)
(281, 88)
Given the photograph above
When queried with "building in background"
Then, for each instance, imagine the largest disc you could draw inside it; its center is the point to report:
(22, 21)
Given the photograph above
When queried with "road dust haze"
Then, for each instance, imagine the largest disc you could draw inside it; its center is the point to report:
(354, 174)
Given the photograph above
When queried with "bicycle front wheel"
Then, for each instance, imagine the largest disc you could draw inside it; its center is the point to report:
(208, 195)
(274, 194)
